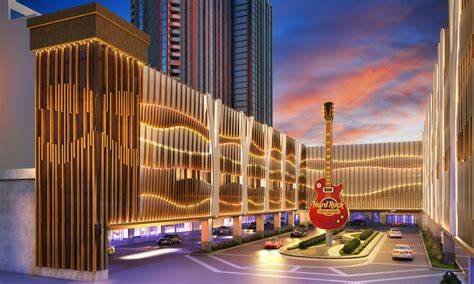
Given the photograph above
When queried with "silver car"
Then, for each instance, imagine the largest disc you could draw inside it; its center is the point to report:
(402, 251)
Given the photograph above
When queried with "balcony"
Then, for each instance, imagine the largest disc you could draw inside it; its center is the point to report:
(175, 17)
(175, 63)
(175, 55)
(175, 47)
(175, 40)
(175, 3)
(175, 24)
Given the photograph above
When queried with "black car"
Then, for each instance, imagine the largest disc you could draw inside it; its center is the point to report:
(252, 226)
(357, 222)
(222, 230)
(298, 232)
(169, 240)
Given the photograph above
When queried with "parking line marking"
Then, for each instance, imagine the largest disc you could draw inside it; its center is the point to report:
(333, 269)
(401, 278)
(211, 268)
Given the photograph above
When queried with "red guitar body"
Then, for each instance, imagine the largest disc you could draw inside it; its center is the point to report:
(328, 211)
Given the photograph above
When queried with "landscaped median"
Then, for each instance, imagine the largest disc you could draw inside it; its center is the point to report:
(247, 239)
(434, 251)
(358, 243)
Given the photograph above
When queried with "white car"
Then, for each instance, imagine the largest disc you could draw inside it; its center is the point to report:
(402, 251)
(393, 233)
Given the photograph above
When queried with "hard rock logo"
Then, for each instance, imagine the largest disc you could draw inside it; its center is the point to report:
(328, 206)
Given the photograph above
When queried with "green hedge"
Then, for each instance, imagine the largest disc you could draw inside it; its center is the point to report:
(320, 239)
(246, 239)
(365, 234)
(364, 244)
(351, 246)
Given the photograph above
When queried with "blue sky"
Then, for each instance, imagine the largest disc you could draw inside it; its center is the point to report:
(373, 58)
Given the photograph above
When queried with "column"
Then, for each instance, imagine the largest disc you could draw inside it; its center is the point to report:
(448, 248)
(237, 227)
(214, 110)
(291, 219)
(259, 219)
(206, 234)
(277, 221)
(304, 217)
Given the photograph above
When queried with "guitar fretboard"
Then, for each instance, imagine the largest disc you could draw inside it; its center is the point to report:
(328, 158)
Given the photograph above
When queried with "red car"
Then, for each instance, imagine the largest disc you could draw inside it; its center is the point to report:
(273, 243)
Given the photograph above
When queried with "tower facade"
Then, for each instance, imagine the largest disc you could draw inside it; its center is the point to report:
(219, 47)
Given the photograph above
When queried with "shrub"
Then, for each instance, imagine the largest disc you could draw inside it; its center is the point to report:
(351, 246)
(365, 234)
(312, 241)
(450, 278)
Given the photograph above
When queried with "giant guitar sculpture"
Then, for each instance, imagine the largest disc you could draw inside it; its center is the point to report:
(328, 211)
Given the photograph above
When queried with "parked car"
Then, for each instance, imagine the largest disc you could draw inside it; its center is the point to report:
(298, 232)
(222, 230)
(171, 239)
(111, 250)
(398, 224)
(357, 222)
(402, 251)
(273, 243)
(252, 226)
(394, 233)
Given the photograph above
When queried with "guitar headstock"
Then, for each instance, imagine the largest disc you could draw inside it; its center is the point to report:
(328, 110)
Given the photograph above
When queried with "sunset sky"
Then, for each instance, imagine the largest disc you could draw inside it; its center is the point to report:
(373, 59)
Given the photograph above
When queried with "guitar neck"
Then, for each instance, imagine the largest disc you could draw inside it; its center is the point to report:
(328, 158)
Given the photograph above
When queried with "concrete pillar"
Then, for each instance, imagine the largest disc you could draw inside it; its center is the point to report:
(277, 221)
(304, 217)
(131, 233)
(218, 222)
(448, 248)
(259, 219)
(237, 227)
(291, 219)
(206, 234)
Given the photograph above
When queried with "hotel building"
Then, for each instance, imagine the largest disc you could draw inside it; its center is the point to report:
(120, 146)
(448, 171)
(219, 47)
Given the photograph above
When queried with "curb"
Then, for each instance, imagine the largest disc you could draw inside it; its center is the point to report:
(341, 257)
(429, 261)
(239, 245)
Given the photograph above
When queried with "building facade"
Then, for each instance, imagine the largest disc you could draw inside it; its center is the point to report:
(448, 169)
(218, 47)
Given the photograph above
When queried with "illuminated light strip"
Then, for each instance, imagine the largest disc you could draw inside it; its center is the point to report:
(229, 137)
(366, 167)
(86, 41)
(230, 203)
(255, 203)
(177, 111)
(230, 144)
(175, 204)
(163, 129)
(258, 147)
(369, 159)
(173, 168)
(174, 149)
(383, 189)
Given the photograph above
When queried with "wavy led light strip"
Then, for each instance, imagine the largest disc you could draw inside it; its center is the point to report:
(174, 149)
(384, 189)
(368, 159)
(366, 167)
(255, 203)
(163, 129)
(173, 168)
(173, 203)
(176, 111)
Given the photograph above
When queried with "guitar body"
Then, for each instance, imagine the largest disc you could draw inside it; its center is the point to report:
(328, 211)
